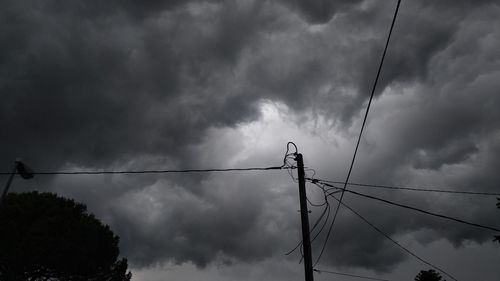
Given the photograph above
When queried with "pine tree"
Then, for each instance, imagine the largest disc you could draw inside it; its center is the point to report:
(47, 237)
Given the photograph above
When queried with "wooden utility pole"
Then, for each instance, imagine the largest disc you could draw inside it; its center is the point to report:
(7, 185)
(19, 168)
(304, 216)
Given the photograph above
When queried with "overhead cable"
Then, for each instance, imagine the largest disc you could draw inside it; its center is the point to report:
(350, 275)
(159, 171)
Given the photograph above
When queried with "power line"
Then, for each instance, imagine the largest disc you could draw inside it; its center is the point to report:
(350, 275)
(410, 188)
(159, 171)
(419, 210)
(394, 241)
(361, 130)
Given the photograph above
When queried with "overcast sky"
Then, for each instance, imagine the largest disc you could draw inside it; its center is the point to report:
(133, 85)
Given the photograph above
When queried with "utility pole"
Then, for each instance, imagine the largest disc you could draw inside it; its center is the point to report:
(7, 185)
(304, 216)
(19, 168)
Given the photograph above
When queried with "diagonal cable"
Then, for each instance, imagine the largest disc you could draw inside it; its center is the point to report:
(361, 131)
(420, 210)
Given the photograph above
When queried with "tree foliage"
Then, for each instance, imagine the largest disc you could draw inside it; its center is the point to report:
(428, 275)
(47, 237)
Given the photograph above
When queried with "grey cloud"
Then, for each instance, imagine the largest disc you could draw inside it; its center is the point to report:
(319, 11)
(446, 135)
(449, 154)
(187, 227)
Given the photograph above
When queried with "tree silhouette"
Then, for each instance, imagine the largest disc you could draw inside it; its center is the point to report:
(428, 275)
(47, 237)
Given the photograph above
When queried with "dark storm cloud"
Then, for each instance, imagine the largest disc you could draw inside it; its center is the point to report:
(91, 91)
(72, 80)
(119, 84)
